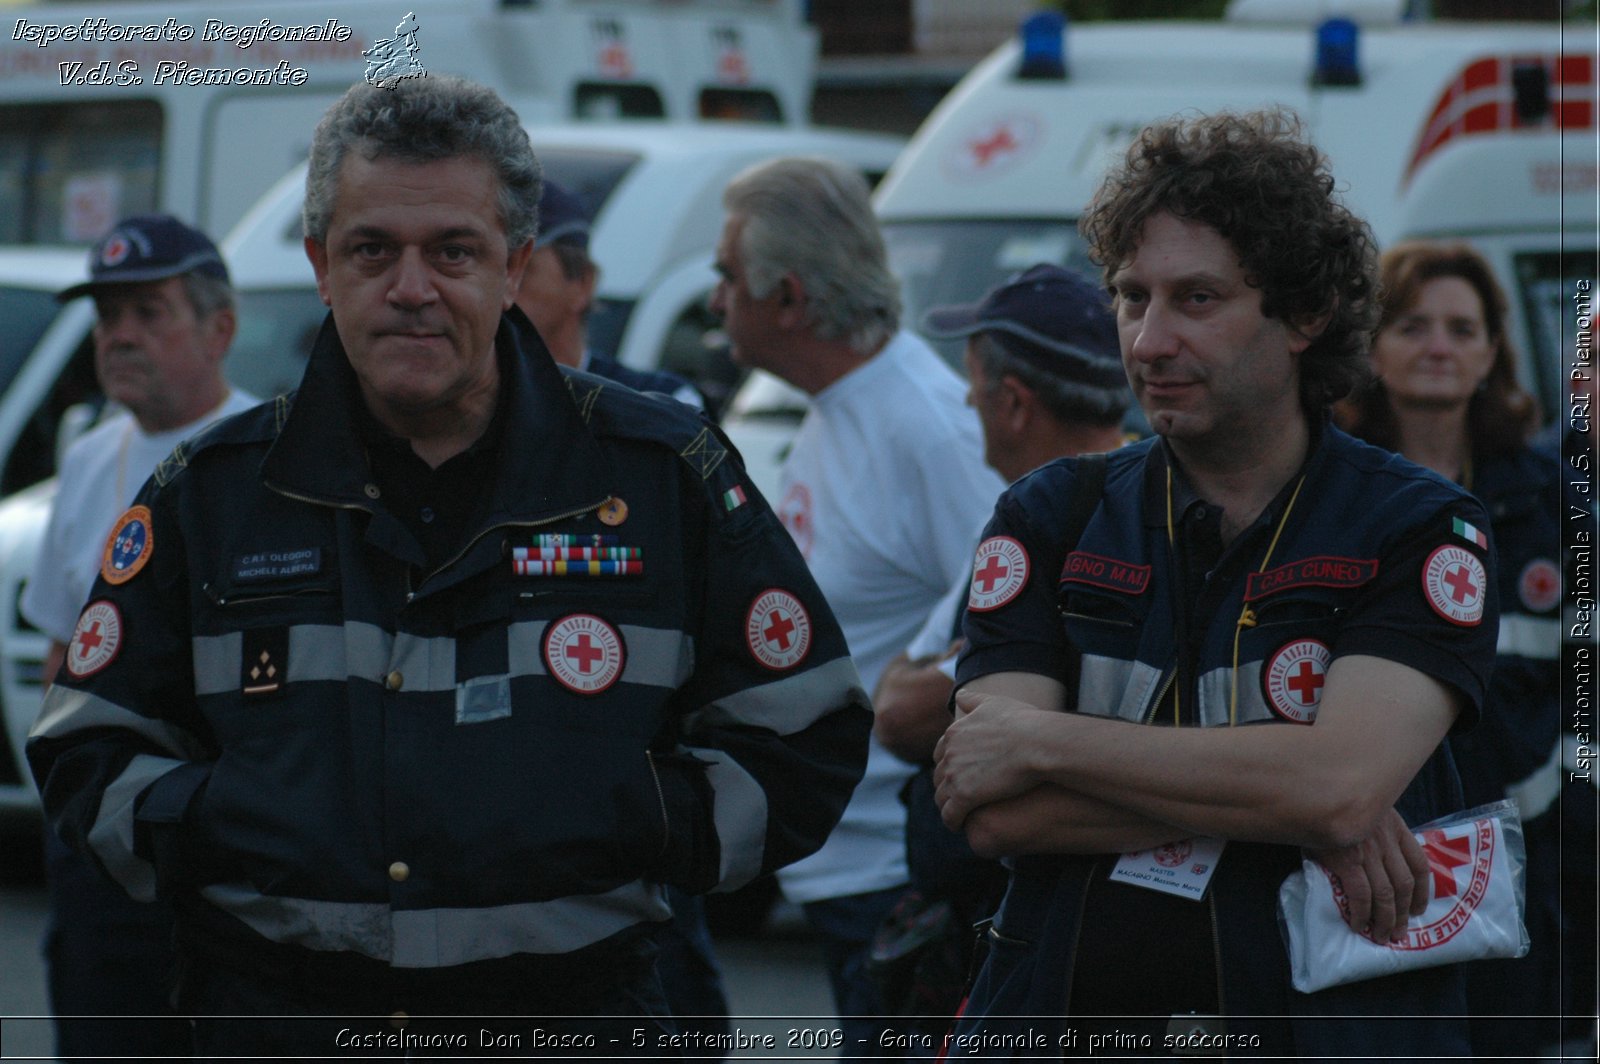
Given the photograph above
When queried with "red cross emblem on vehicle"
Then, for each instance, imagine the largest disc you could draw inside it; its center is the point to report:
(1539, 586)
(778, 629)
(584, 653)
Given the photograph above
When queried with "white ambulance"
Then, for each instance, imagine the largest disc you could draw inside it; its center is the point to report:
(1484, 132)
(111, 109)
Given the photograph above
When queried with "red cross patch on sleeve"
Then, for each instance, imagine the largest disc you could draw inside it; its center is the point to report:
(1455, 585)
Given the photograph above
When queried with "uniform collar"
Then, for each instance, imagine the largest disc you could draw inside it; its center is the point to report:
(552, 463)
(1160, 458)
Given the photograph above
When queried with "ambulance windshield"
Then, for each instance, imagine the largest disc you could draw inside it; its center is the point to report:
(958, 260)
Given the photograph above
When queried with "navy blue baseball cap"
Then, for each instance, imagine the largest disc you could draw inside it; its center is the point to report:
(562, 219)
(1056, 318)
(148, 247)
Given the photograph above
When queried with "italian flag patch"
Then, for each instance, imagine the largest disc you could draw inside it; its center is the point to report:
(733, 498)
(1470, 533)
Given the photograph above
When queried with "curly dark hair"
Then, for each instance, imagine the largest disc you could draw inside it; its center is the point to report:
(1255, 180)
(1501, 415)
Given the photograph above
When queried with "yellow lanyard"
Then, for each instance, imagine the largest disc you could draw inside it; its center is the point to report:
(1247, 616)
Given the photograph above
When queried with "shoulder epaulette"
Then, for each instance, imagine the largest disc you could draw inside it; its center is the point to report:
(259, 424)
(611, 410)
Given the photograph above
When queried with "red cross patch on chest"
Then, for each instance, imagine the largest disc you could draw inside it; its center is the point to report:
(584, 653)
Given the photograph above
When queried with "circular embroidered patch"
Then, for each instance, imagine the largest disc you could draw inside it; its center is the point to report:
(96, 640)
(583, 653)
(1454, 581)
(115, 250)
(1539, 586)
(1292, 679)
(128, 547)
(778, 629)
(998, 573)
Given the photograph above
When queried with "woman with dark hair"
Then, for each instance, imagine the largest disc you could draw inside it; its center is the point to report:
(1444, 394)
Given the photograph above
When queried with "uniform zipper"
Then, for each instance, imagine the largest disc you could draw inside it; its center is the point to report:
(661, 797)
(1216, 951)
(1077, 934)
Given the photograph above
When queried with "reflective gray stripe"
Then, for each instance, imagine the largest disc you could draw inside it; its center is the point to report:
(67, 710)
(111, 837)
(1216, 689)
(657, 657)
(786, 706)
(437, 938)
(1538, 638)
(1535, 793)
(1114, 687)
(740, 814)
(524, 655)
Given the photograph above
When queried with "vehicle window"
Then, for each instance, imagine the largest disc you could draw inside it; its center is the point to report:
(1547, 284)
(590, 174)
(595, 100)
(696, 348)
(33, 455)
(957, 261)
(27, 312)
(276, 330)
(67, 173)
(608, 319)
(740, 105)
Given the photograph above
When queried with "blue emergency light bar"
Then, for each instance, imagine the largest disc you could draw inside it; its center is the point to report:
(1044, 47)
(1338, 40)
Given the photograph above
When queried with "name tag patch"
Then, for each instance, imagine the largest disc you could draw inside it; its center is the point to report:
(1320, 571)
(276, 564)
(1108, 573)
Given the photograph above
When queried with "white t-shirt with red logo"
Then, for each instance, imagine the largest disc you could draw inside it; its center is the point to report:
(885, 491)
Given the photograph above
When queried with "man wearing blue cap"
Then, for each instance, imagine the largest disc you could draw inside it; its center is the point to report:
(558, 291)
(1046, 379)
(164, 320)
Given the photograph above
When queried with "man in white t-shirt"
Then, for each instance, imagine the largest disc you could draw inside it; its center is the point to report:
(164, 320)
(884, 490)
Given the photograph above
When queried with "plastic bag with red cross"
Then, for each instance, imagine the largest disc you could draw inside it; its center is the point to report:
(1476, 864)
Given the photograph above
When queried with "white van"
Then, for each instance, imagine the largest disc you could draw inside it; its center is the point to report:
(1483, 132)
(112, 109)
(657, 188)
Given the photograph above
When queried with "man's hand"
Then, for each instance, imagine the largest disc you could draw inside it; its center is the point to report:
(984, 756)
(911, 707)
(1384, 877)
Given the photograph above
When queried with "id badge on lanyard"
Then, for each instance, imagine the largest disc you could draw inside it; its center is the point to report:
(1183, 868)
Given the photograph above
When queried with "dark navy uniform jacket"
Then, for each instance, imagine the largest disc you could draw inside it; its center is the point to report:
(1376, 556)
(301, 731)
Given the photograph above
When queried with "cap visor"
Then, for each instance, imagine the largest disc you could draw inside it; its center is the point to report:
(952, 322)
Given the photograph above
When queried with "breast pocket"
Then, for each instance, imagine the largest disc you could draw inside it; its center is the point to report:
(1106, 629)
